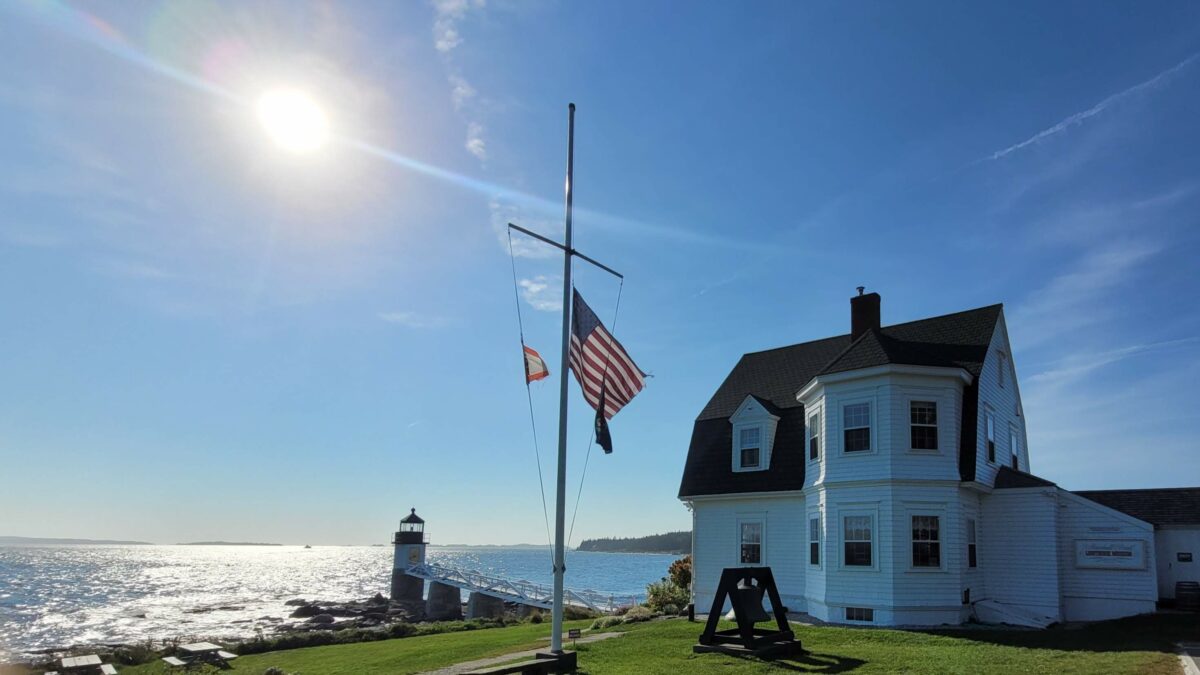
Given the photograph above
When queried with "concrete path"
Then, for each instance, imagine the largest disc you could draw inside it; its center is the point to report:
(468, 666)
(1189, 657)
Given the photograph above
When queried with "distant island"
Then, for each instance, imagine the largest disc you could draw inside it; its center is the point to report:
(51, 541)
(225, 543)
(671, 542)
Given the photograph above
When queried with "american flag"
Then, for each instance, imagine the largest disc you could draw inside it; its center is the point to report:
(600, 363)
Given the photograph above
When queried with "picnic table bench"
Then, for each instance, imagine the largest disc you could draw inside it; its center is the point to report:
(200, 653)
(83, 665)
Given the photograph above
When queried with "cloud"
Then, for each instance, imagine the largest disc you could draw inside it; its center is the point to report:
(1071, 300)
(1078, 366)
(461, 91)
(542, 292)
(413, 319)
(447, 14)
(1080, 117)
(523, 246)
(132, 270)
(475, 143)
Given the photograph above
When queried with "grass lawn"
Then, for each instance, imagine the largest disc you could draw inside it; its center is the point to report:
(400, 656)
(1141, 645)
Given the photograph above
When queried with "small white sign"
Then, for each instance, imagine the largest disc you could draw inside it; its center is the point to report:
(1120, 554)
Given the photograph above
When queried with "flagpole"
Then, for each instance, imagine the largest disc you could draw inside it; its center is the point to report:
(560, 509)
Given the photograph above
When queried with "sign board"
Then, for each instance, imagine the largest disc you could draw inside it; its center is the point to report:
(1183, 556)
(574, 633)
(1110, 554)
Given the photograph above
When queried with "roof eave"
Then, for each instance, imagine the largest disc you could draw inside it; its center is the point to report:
(886, 369)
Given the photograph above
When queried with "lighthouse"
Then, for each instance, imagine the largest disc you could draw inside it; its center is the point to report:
(410, 550)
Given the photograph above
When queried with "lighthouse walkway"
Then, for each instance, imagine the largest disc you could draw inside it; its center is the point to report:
(521, 592)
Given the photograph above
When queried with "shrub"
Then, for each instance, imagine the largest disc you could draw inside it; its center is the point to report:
(660, 594)
(680, 572)
(607, 622)
(638, 613)
(535, 617)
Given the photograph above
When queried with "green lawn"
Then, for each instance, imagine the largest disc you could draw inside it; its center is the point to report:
(1141, 645)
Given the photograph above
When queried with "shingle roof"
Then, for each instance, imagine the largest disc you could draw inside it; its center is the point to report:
(954, 340)
(1007, 478)
(1162, 506)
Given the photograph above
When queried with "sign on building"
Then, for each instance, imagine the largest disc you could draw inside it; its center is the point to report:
(1121, 554)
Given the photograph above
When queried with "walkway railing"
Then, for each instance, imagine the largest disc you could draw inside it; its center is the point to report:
(523, 592)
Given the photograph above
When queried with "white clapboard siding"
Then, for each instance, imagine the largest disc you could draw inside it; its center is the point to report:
(717, 544)
(1019, 549)
(1096, 594)
(1005, 404)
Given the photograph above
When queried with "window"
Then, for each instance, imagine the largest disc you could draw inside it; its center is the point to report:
(750, 444)
(991, 436)
(1014, 444)
(814, 436)
(814, 541)
(926, 546)
(923, 418)
(860, 614)
(972, 559)
(751, 543)
(857, 540)
(1001, 367)
(856, 427)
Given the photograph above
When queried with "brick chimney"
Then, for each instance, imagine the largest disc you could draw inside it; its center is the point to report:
(864, 313)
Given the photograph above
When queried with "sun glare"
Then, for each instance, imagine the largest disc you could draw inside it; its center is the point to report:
(293, 120)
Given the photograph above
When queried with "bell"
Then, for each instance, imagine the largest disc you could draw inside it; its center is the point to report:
(751, 601)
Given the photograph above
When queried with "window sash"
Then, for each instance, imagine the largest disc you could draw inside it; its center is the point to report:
(750, 543)
(972, 557)
(926, 543)
(856, 539)
(1014, 445)
(750, 437)
(750, 458)
(814, 436)
(814, 541)
(923, 422)
(991, 436)
(856, 427)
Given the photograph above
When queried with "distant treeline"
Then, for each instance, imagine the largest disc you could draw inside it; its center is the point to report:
(671, 542)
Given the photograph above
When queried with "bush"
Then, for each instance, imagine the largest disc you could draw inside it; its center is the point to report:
(680, 572)
(660, 594)
(535, 617)
(607, 622)
(638, 613)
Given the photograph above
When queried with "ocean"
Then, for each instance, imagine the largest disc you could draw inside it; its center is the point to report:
(58, 596)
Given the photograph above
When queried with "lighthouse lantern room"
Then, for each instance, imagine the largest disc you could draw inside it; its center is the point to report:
(409, 545)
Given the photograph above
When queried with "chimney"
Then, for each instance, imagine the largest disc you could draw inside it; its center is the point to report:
(864, 313)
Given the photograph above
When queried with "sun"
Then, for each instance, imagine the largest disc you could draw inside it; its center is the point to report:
(293, 120)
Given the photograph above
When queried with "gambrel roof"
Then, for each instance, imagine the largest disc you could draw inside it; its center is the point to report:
(958, 340)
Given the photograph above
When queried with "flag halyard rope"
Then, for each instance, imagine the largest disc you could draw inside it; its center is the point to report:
(529, 397)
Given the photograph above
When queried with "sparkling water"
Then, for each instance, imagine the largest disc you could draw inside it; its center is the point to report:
(57, 596)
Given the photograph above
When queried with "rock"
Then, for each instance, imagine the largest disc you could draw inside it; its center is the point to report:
(306, 611)
(322, 619)
(297, 602)
(378, 599)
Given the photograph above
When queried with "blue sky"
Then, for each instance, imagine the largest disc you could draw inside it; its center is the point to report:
(207, 337)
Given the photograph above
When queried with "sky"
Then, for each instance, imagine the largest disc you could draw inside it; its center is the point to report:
(209, 337)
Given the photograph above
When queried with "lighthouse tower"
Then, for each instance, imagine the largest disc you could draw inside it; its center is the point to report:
(410, 550)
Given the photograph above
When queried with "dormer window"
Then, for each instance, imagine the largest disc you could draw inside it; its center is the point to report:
(750, 447)
(753, 434)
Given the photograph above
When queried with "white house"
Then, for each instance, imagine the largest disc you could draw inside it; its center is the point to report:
(884, 477)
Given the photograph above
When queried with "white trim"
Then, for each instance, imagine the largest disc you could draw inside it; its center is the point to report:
(936, 510)
(888, 369)
(738, 447)
(936, 399)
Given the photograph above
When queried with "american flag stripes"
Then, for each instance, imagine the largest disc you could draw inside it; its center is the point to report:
(601, 365)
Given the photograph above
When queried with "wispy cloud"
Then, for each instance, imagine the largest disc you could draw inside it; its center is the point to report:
(413, 319)
(1072, 299)
(1077, 366)
(541, 292)
(1080, 117)
(130, 269)
(447, 15)
(503, 213)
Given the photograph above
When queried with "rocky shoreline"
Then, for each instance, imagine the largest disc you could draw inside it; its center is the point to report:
(372, 618)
